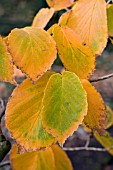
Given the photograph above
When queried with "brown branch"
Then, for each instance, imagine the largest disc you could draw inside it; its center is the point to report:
(4, 163)
(87, 149)
(102, 78)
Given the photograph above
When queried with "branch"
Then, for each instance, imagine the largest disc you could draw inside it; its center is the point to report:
(4, 163)
(87, 149)
(102, 78)
(109, 1)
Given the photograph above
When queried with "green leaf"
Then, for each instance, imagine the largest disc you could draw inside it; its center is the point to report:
(109, 112)
(64, 105)
(110, 19)
(23, 118)
(106, 141)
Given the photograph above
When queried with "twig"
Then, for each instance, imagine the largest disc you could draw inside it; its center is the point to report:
(4, 163)
(109, 1)
(102, 78)
(87, 148)
(88, 141)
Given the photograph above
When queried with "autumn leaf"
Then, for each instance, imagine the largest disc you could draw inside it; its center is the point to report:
(59, 4)
(64, 105)
(42, 17)
(76, 56)
(96, 118)
(50, 159)
(6, 66)
(23, 118)
(106, 141)
(110, 19)
(109, 112)
(33, 50)
(88, 19)
(40, 160)
(62, 162)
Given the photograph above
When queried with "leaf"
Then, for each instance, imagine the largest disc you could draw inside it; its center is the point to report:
(23, 118)
(62, 162)
(41, 160)
(6, 66)
(64, 105)
(106, 141)
(96, 118)
(33, 50)
(110, 19)
(88, 19)
(42, 17)
(59, 4)
(109, 112)
(75, 56)
(50, 159)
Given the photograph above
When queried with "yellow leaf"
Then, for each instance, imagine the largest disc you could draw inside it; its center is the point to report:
(64, 105)
(33, 50)
(42, 17)
(41, 160)
(75, 56)
(50, 159)
(6, 66)
(109, 112)
(59, 4)
(62, 162)
(110, 19)
(23, 118)
(106, 141)
(96, 118)
(88, 19)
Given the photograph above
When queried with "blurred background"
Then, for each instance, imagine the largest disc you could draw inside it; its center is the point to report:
(20, 13)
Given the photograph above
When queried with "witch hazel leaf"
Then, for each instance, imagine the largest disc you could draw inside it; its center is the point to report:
(23, 117)
(53, 158)
(40, 160)
(110, 19)
(58, 4)
(96, 118)
(74, 54)
(89, 20)
(64, 105)
(33, 50)
(6, 66)
(62, 162)
(42, 17)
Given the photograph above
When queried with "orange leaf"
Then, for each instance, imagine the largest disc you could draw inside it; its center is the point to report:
(6, 66)
(23, 117)
(88, 19)
(62, 162)
(41, 160)
(42, 17)
(59, 4)
(75, 56)
(33, 50)
(96, 118)
(50, 159)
